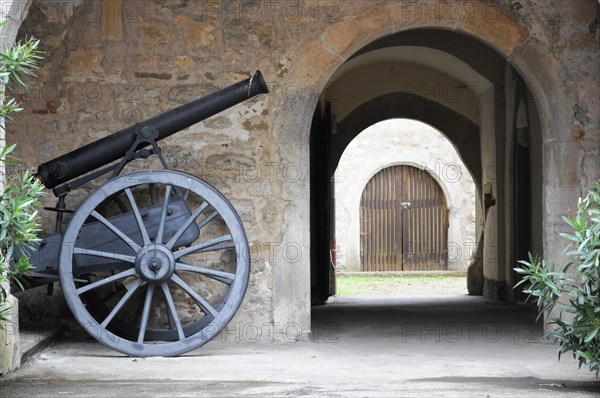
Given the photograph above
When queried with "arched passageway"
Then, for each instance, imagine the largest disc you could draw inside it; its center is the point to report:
(460, 86)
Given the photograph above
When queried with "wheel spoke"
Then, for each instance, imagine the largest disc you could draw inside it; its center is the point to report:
(102, 282)
(207, 219)
(146, 313)
(116, 231)
(220, 276)
(138, 216)
(163, 216)
(121, 303)
(103, 254)
(206, 246)
(202, 303)
(186, 225)
(172, 311)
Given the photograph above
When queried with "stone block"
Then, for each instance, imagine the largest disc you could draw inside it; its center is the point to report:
(196, 33)
(218, 122)
(565, 165)
(184, 62)
(339, 38)
(488, 22)
(10, 350)
(154, 33)
(85, 60)
(406, 15)
(112, 20)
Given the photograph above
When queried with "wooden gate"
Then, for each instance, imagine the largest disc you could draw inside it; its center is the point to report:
(403, 222)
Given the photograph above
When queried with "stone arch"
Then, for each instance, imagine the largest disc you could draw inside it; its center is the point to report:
(485, 23)
(502, 36)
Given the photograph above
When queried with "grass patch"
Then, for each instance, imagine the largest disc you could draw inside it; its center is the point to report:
(401, 284)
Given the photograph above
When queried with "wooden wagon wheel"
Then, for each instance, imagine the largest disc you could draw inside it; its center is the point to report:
(164, 275)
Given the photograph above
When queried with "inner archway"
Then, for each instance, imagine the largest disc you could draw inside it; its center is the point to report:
(405, 143)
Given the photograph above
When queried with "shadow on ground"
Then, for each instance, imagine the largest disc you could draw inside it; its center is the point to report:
(385, 347)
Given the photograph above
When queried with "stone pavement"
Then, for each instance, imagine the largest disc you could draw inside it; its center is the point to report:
(453, 346)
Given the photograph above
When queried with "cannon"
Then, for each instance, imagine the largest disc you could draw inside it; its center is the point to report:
(153, 262)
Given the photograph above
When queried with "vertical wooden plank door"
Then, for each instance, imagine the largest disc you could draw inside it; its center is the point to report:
(403, 222)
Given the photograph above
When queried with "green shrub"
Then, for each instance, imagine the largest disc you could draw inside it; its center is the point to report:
(19, 198)
(18, 227)
(574, 290)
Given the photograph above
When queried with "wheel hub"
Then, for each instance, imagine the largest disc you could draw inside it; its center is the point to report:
(155, 263)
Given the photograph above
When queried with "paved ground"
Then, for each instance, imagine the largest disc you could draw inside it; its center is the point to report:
(386, 347)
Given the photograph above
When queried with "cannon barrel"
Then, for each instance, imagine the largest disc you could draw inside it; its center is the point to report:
(115, 146)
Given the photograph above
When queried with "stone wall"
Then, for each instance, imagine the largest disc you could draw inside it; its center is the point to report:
(413, 143)
(110, 64)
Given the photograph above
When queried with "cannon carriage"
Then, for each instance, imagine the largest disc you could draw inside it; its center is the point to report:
(154, 262)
